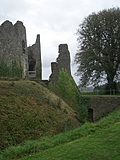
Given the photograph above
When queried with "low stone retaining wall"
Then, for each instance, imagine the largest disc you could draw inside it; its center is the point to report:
(100, 106)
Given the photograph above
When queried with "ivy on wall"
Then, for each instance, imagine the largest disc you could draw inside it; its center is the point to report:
(66, 87)
(15, 70)
(4, 69)
(38, 72)
(67, 90)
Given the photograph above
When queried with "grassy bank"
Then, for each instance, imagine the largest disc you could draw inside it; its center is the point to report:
(29, 111)
(97, 141)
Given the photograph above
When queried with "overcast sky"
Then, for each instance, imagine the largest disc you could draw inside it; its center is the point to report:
(55, 20)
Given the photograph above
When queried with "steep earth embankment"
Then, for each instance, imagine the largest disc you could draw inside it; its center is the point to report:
(28, 110)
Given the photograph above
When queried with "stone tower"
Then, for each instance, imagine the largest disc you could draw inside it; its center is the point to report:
(13, 49)
(34, 59)
(13, 44)
(63, 61)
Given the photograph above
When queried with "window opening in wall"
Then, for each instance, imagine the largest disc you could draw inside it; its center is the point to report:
(32, 67)
(23, 46)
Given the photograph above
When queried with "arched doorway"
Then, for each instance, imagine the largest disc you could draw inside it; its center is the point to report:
(90, 114)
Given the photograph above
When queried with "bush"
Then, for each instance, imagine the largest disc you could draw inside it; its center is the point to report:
(67, 89)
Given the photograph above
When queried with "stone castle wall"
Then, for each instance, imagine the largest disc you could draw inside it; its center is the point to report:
(12, 38)
(100, 106)
(13, 46)
(34, 58)
(63, 61)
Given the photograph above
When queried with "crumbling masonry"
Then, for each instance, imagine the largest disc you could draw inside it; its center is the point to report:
(13, 48)
(63, 61)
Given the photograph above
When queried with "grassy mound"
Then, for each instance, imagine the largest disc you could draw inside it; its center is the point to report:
(28, 111)
(99, 140)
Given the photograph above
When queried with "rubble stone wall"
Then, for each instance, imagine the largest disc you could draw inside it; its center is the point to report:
(62, 61)
(13, 46)
(100, 106)
(34, 54)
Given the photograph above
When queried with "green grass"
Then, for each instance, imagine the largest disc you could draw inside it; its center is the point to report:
(96, 141)
(96, 146)
(91, 94)
(29, 111)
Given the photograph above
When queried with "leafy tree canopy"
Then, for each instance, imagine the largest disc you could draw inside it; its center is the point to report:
(98, 56)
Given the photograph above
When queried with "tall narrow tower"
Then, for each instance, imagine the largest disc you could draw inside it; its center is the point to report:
(34, 59)
(63, 61)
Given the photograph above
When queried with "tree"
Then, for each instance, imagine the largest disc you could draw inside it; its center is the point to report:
(98, 56)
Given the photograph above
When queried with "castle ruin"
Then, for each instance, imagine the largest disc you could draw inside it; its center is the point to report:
(17, 56)
(13, 48)
(63, 61)
(34, 59)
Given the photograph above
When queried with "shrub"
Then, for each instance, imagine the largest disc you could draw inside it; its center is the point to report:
(67, 89)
